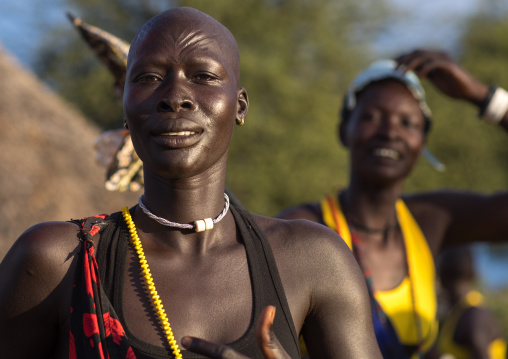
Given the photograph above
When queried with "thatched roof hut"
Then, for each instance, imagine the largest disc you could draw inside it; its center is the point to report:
(47, 167)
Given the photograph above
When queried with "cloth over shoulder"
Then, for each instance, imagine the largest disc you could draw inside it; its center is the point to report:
(96, 331)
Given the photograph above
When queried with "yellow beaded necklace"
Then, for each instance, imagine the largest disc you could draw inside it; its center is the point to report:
(149, 283)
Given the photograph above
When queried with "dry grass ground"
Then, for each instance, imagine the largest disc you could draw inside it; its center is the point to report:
(47, 168)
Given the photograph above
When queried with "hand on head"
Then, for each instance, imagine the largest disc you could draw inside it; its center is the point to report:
(450, 78)
(267, 341)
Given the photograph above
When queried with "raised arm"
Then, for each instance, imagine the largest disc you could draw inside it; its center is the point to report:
(450, 218)
(35, 288)
(454, 217)
(455, 82)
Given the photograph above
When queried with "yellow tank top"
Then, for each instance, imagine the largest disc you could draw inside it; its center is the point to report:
(397, 303)
(445, 342)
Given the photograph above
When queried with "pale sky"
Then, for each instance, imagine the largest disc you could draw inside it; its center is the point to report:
(21, 21)
(425, 23)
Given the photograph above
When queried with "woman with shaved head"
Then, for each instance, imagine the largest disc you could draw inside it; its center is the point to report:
(183, 263)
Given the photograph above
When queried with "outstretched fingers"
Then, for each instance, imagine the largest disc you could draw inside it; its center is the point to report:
(267, 340)
(423, 62)
(268, 343)
(446, 75)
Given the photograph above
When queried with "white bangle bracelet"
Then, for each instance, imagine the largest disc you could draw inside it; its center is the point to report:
(497, 107)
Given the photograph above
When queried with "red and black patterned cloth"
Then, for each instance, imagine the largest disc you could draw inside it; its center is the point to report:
(95, 330)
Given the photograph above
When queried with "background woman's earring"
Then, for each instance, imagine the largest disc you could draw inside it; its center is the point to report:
(125, 125)
(240, 121)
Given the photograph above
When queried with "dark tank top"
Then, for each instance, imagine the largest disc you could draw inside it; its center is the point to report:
(266, 287)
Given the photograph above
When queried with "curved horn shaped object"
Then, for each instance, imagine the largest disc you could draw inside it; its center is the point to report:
(110, 49)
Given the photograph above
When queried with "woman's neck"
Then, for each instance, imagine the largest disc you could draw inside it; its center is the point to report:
(184, 201)
(372, 208)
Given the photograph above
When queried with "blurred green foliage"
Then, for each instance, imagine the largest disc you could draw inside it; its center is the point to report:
(297, 58)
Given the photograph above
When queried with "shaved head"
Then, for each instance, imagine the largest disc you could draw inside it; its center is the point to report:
(185, 26)
(182, 78)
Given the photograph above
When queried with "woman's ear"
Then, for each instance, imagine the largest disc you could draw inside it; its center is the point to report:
(344, 115)
(342, 128)
(242, 106)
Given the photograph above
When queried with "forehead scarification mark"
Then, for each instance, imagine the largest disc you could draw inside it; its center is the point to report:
(193, 39)
(183, 39)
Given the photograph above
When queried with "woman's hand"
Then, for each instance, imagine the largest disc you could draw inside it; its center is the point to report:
(445, 74)
(267, 341)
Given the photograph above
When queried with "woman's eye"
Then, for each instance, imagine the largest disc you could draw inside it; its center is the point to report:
(370, 117)
(408, 122)
(204, 77)
(148, 78)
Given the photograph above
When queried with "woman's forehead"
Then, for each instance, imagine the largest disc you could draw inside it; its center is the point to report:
(179, 37)
(383, 90)
(190, 50)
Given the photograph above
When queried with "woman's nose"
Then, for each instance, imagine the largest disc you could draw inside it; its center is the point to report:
(388, 128)
(174, 105)
(176, 97)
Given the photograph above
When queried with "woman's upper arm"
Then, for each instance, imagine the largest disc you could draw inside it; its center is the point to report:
(339, 322)
(35, 288)
(458, 217)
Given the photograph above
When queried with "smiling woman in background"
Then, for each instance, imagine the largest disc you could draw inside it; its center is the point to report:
(395, 238)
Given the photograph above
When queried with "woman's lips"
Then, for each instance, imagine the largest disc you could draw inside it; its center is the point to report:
(177, 138)
(384, 152)
(179, 133)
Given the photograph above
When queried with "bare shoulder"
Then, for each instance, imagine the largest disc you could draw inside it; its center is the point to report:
(35, 291)
(40, 258)
(44, 244)
(305, 250)
(309, 211)
(322, 282)
(296, 234)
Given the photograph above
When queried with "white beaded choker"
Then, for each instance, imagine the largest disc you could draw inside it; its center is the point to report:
(199, 226)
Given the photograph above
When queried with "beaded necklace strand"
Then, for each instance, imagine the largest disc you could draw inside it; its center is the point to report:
(149, 283)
